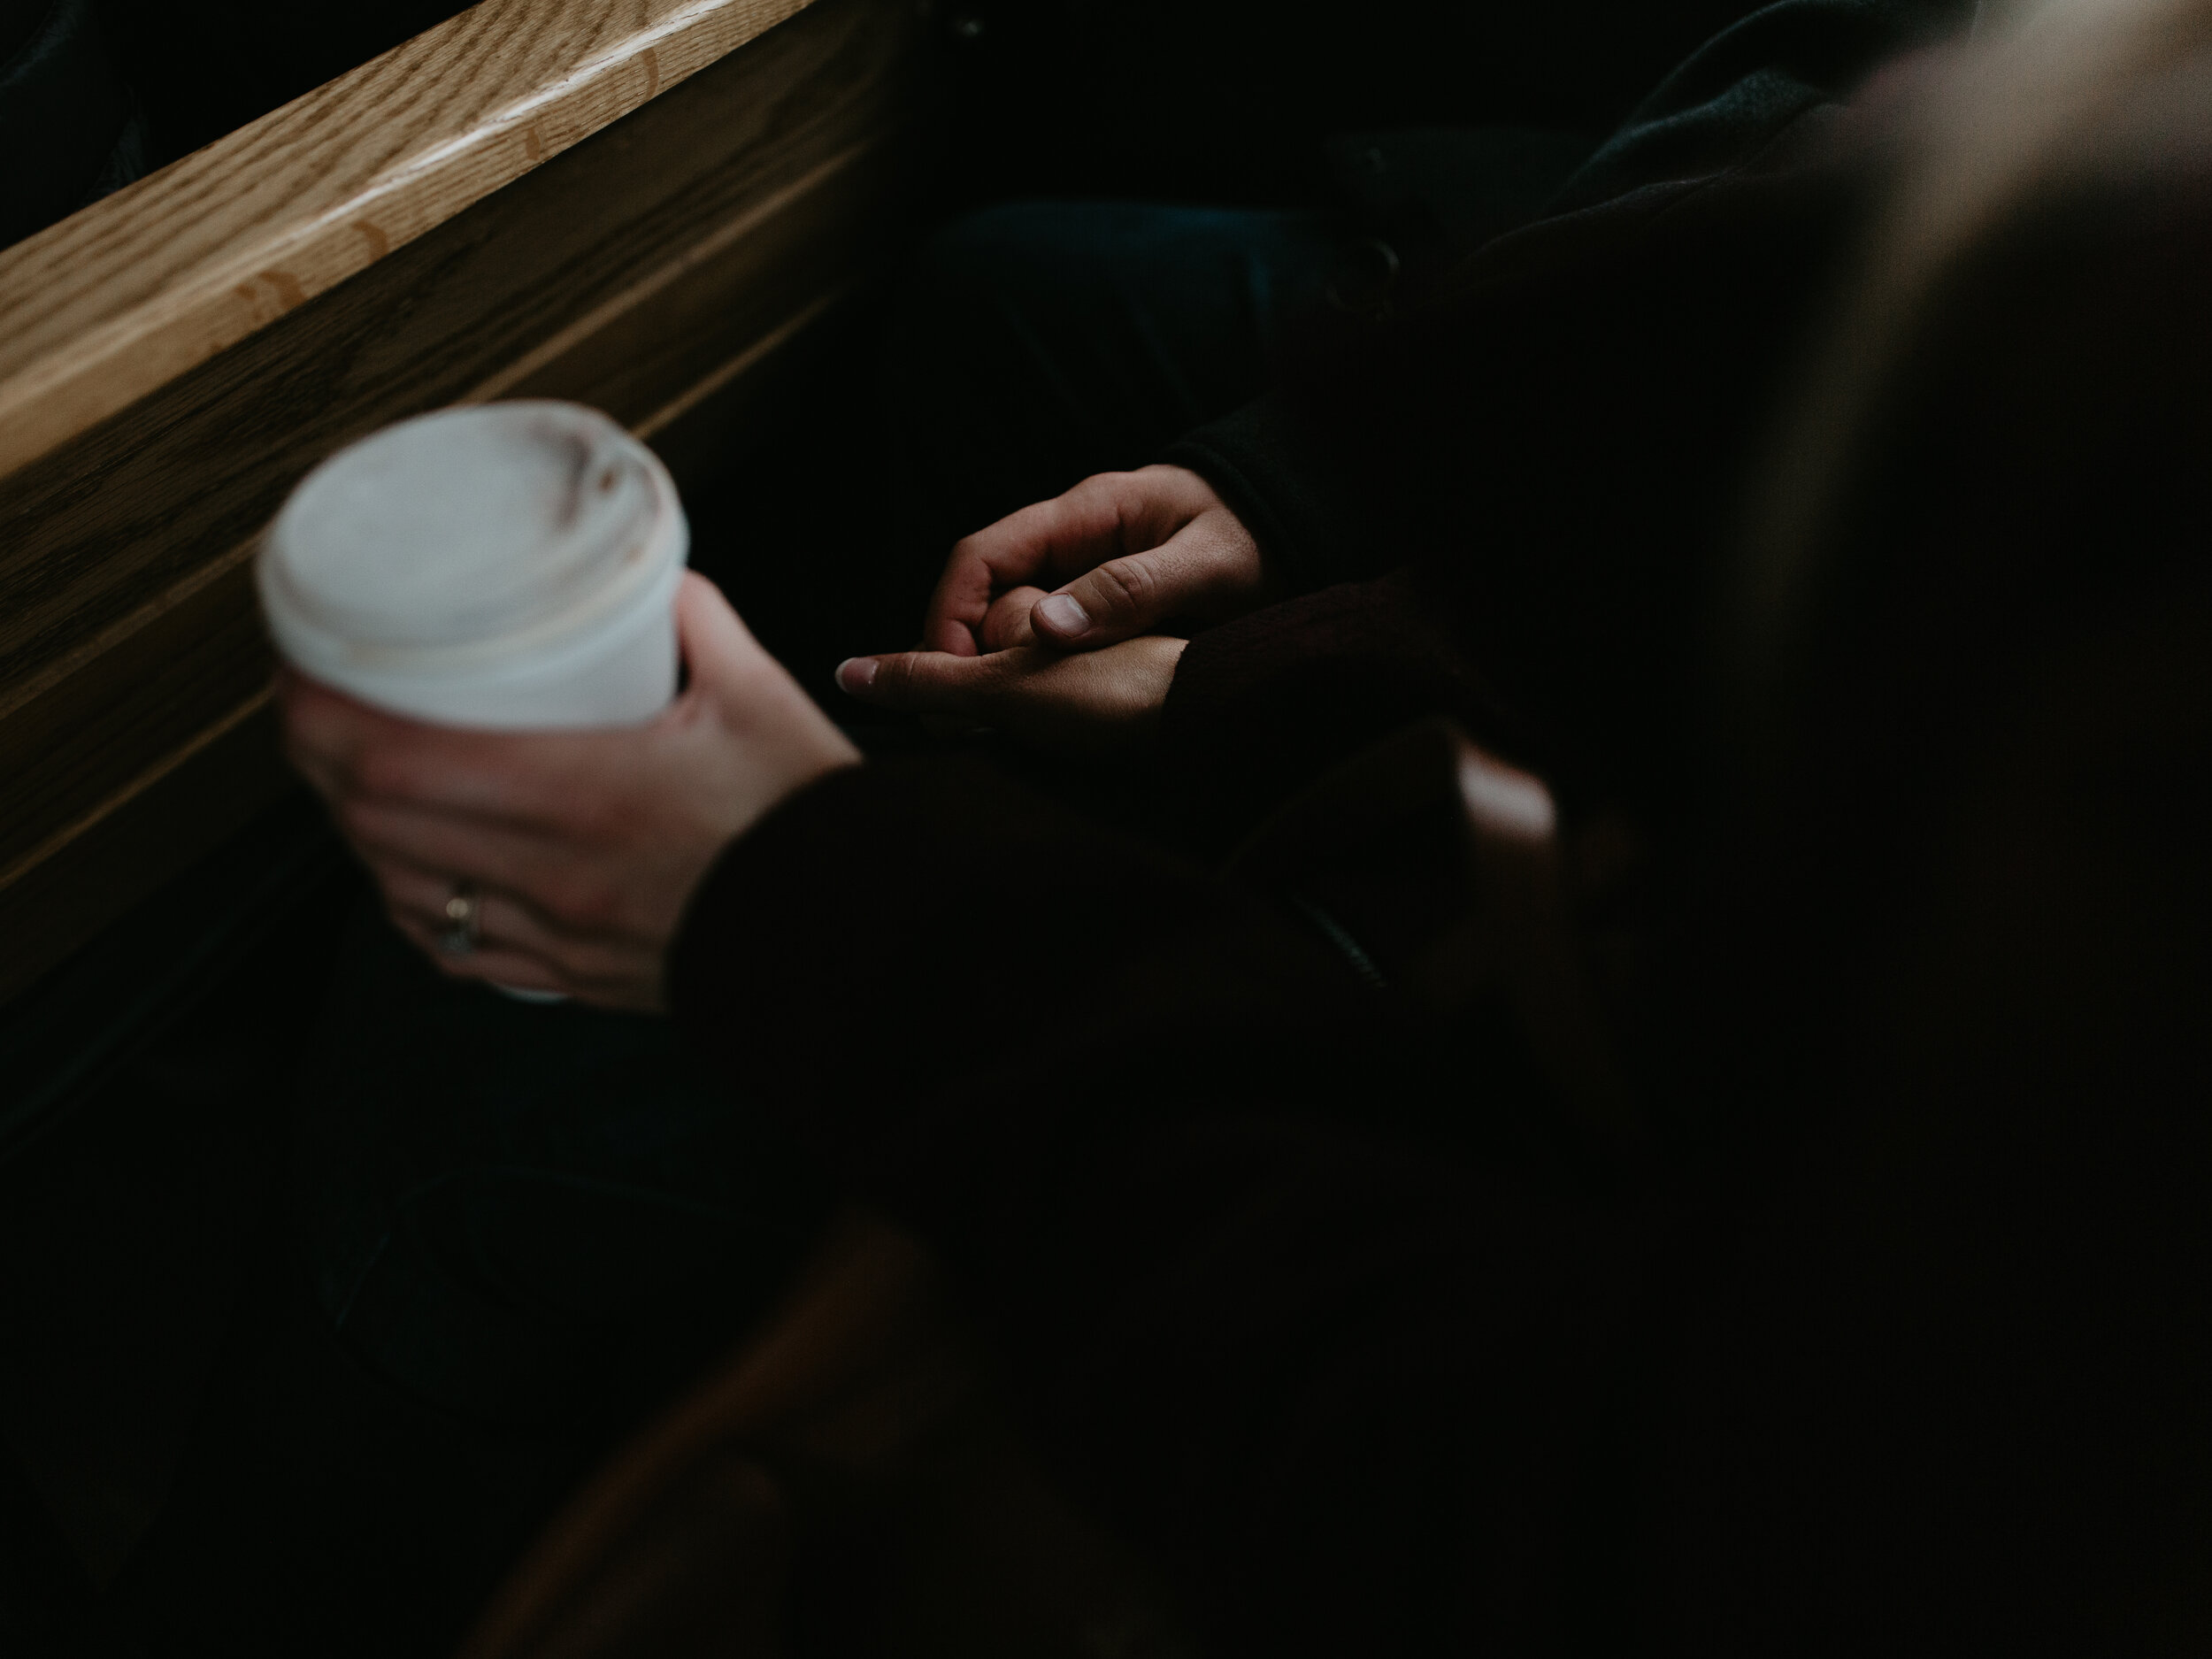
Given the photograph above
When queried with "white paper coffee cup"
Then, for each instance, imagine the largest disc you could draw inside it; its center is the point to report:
(510, 566)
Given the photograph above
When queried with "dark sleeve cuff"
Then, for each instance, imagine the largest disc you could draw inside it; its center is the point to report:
(1273, 466)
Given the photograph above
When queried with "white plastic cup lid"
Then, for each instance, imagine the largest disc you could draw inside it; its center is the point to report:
(468, 543)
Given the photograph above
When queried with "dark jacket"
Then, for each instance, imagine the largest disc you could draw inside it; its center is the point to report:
(1297, 1287)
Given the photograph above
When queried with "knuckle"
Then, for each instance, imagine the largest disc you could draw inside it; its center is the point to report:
(894, 677)
(1127, 585)
(355, 820)
(602, 818)
(1097, 505)
(595, 904)
(924, 685)
(376, 770)
(335, 767)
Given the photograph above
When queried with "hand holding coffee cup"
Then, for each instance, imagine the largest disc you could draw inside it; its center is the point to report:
(483, 611)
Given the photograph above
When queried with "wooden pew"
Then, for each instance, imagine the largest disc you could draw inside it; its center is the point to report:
(644, 206)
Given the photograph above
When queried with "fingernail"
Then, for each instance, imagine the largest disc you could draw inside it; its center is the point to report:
(855, 674)
(1065, 613)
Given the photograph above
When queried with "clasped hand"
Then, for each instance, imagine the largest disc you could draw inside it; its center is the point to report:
(1048, 625)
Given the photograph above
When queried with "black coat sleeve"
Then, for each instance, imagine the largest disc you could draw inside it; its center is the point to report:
(952, 986)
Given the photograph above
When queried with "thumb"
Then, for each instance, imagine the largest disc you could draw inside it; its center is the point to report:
(922, 682)
(1186, 575)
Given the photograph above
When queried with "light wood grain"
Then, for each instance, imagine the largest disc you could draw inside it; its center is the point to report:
(104, 308)
(657, 268)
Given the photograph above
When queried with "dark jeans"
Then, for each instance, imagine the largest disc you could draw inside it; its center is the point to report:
(1036, 343)
(517, 1231)
(534, 1217)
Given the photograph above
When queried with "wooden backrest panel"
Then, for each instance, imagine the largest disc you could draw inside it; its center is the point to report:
(643, 270)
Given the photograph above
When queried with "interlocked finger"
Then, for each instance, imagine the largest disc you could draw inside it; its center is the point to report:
(505, 927)
(453, 848)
